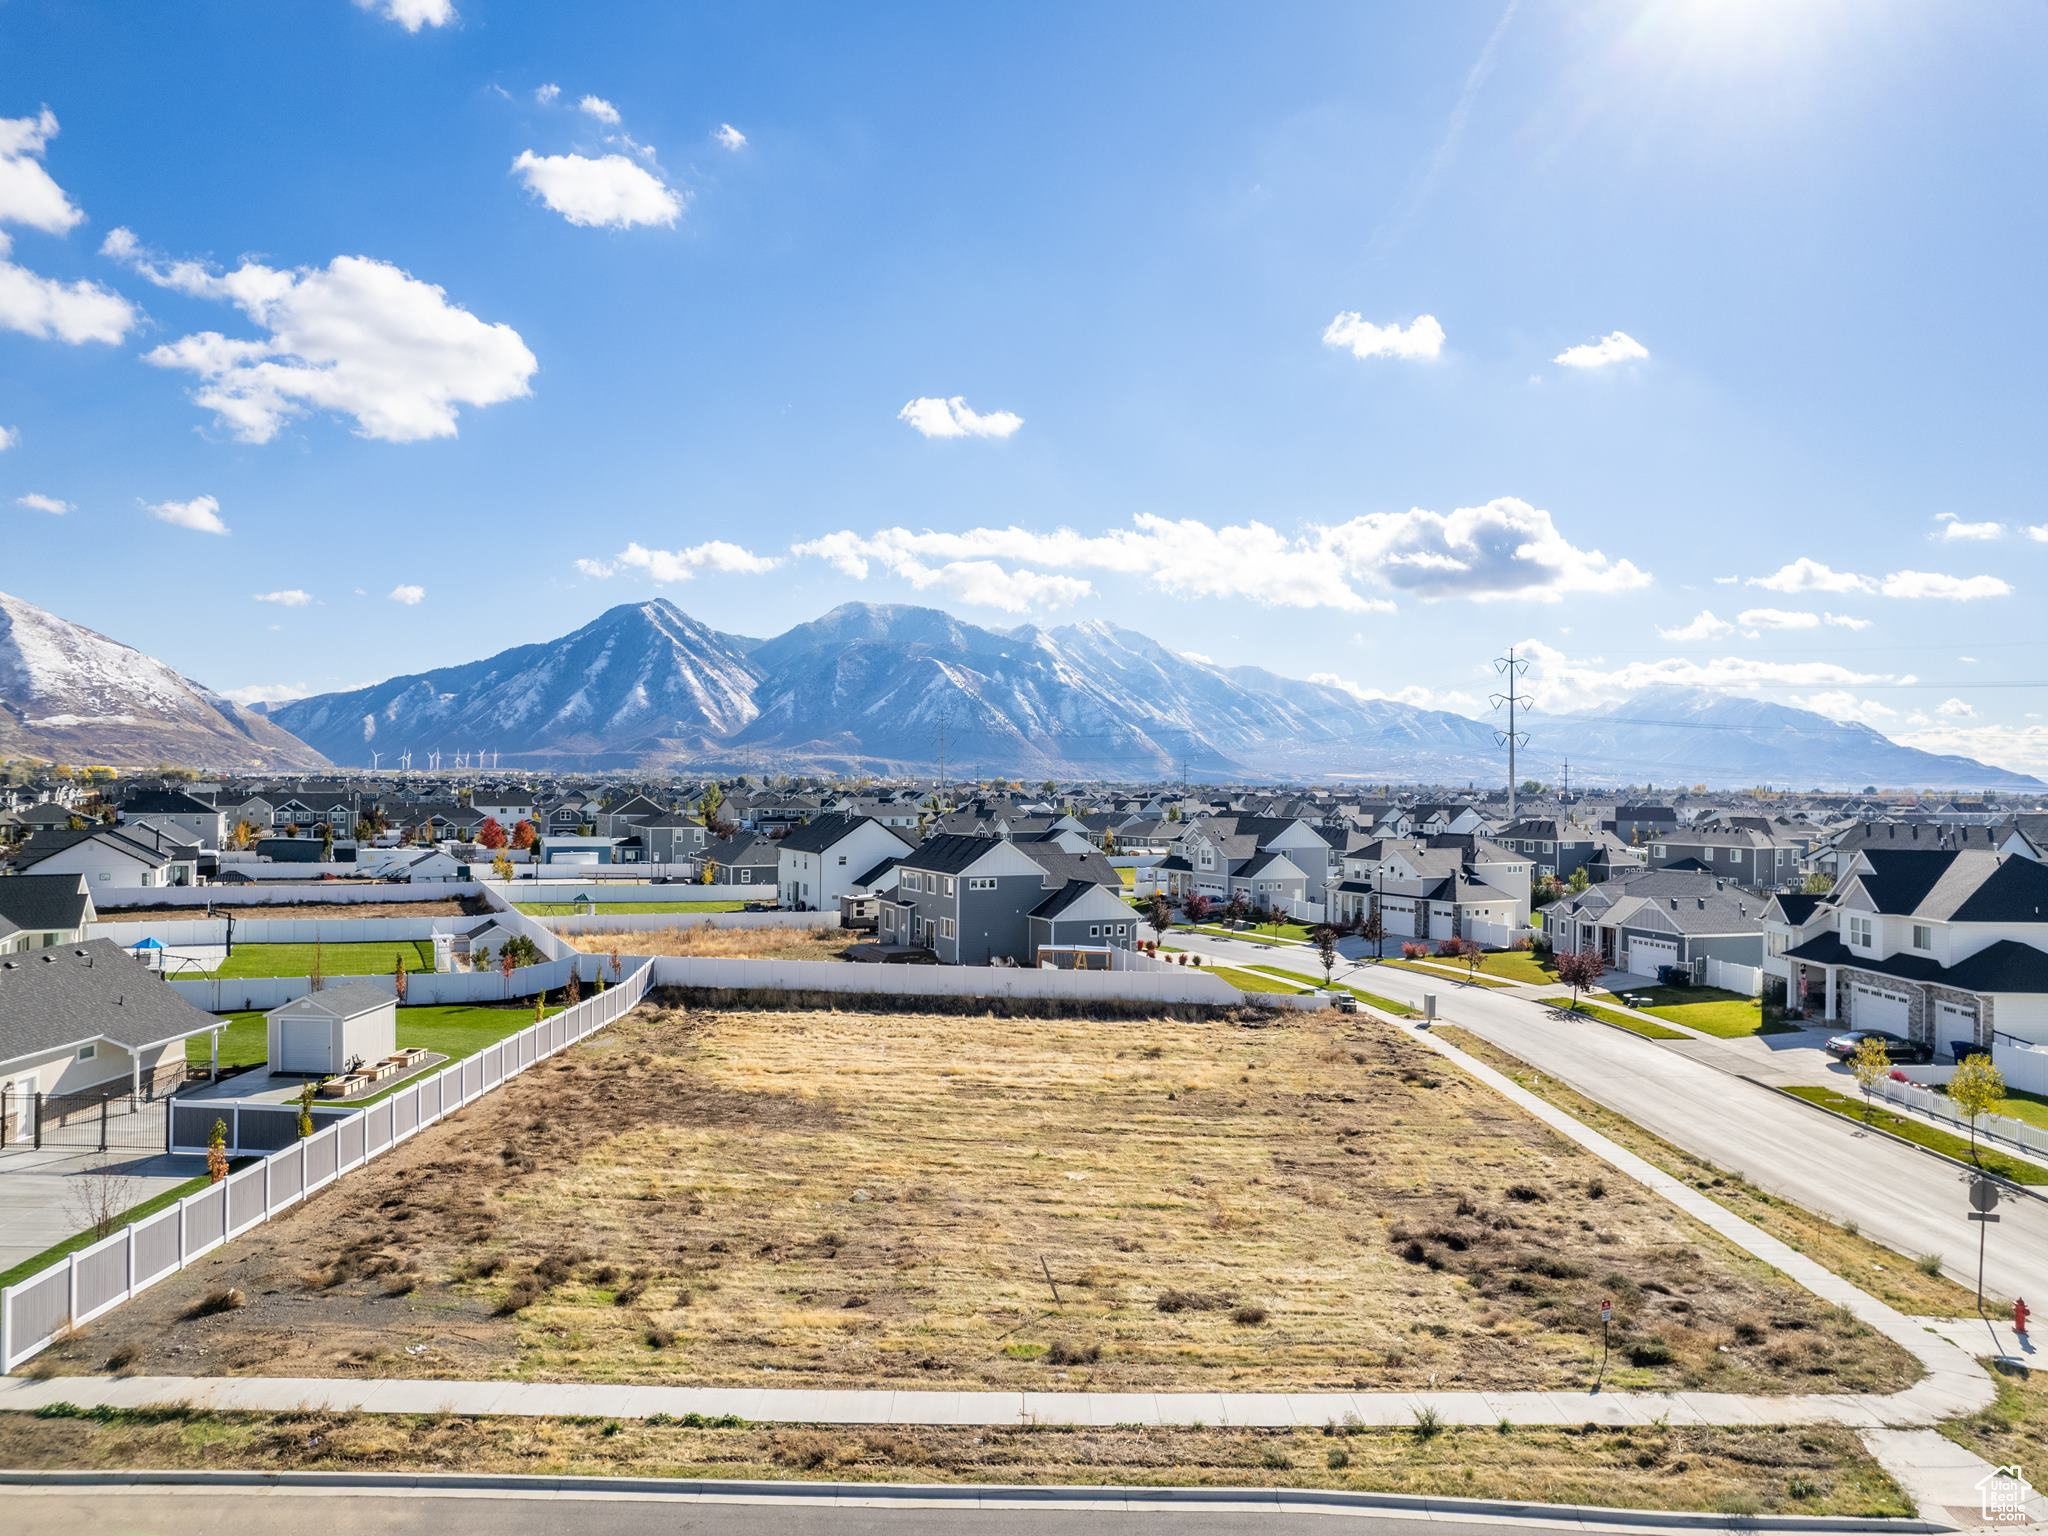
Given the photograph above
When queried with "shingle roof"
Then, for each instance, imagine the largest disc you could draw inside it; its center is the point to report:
(43, 902)
(2007, 966)
(349, 998)
(951, 852)
(51, 999)
(822, 832)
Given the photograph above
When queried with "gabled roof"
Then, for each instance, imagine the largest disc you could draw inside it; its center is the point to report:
(2007, 966)
(1061, 866)
(822, 833)
(1069, 896)
(53, 840)
(43, 903)
(950, 852)
(346, 1000)
(57, 998)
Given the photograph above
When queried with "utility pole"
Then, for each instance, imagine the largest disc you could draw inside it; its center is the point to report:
(1511, 668)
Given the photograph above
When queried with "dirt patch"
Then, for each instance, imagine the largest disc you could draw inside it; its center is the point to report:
(1812, 1471)
(826, 1199)
(713, 941)
(439, 906)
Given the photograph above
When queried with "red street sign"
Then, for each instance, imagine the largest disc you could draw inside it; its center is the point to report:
(1606, 1311)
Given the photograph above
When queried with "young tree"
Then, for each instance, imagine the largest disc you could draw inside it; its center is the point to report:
(1237, 908)
(1159, 913)
(316, 973)
(1475, 958)
(1374, 928)
(490, 834)
(524, 834)
(708, 804)
(1977, 1089)
(1816, 884)
(1871, 1063)
(327, 841)
(398, 980)
(480, 958)
(572, 990)
(1579, 969)
(507, 964)
(707, 873)
(502, 867)
(1578, 882)
(618, 965)
(1324, 937)
(305, 1110)
(217, 1153)
(1197, 907)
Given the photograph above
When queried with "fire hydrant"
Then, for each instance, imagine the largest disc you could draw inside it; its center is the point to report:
(2019, 1317)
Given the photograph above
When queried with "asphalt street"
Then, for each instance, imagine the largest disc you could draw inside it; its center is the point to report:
(236, 1512)
(1901, 1197)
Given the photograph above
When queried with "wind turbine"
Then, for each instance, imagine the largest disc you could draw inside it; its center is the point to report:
(374, 755)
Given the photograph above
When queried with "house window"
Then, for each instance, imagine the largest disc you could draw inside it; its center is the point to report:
(945, 927)
(949, 885)
(1923, 936)
(87, 1052)
(1095, 930)
(981, 882)
(1120, 929)
(842, 861)
(1859, 931)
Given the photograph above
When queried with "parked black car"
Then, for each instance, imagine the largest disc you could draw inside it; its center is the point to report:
(1897, 1047)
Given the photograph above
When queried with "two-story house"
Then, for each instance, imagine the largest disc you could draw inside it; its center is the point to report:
(1432, 888)
(1744, 855)
(206, 822)
(1554, 845)
(819, 862)
(1945, 947)
(37, 911)
(988, 901)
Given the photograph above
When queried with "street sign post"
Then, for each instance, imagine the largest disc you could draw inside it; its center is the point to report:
(1984, 1193)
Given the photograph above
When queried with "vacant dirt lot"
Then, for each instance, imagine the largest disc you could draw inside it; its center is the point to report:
(850, 1200)
(711, 940)
(440, 906)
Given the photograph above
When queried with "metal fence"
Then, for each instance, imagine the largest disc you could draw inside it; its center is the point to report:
(81, 1287)
(96, 1122)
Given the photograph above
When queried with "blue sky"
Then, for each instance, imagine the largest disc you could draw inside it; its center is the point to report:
(700, 334)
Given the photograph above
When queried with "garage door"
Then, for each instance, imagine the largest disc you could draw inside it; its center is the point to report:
(303, 1045)
(1954, 1022)
(1878, 1008)
(1645, 955)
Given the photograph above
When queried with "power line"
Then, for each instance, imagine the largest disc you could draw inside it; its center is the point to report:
(1512, 669)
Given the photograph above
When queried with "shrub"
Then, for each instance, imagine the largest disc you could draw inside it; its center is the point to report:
(1338, 1458)
(1428, 1423)
(1451, 948)
(1062, 1352)
(1248, 1316)
(1928, 1264)
(1410, 950)
(1649, 1352)
(217, 1302)
(1273, 1457)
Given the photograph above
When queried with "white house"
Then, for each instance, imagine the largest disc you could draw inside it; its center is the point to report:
(321, 1033)
(1943, 946)
(110, 859)
(822, 860)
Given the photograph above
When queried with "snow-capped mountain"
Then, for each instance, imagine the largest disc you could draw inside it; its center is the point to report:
(640, 681)
(885, 688)
(70, 693)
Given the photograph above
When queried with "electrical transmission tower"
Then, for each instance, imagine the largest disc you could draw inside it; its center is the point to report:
(1511, 668)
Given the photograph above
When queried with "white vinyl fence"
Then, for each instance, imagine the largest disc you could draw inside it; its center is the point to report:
(1730, 977)
(638, 888)
(299, 889)
(97, 1279)
(1923, 1100)
(1177, 985)
(193, 932)
(650, 922)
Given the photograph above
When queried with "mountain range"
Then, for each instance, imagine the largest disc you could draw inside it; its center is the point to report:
(68, 693)
(884, 689)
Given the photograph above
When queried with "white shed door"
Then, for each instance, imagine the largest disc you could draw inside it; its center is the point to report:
(1877, 1008)
(304, 1045)
(1645, 955)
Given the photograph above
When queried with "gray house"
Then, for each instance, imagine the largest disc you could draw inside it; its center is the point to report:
(1661, 917)
(985, 901)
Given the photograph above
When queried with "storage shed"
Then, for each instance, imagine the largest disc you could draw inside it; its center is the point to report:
(321, 1033)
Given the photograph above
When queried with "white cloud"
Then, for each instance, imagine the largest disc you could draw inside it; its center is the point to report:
(934, 417)
(9, 437)
(1777, 618)
(2022, 748)
(412, 14)
(28, 194)
(1455, 700)
(287, 597)
(1840, 704)
(1935, 584)
(546, 94)
(36, 501)
(1954, 528)
(1844, 621)
(1726, 581)
(609, 192)
(1614, 347)
(729, 137)
(1956, 709)
(1706, 625)
(358, 337)
(30, 303)
(266, 693)
(1560, 683)
(669, 565)
(1505, 548)
(599, 108)
(408, 594)
(1421, 338)
(2038, 533)
(1805, 575)
(201, 514)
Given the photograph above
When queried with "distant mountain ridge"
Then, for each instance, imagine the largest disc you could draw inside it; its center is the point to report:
(890, 688)
(70, 693)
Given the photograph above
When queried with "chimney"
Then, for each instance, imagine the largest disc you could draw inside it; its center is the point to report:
(1703, 903)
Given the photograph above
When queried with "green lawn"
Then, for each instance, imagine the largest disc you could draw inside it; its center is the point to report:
(2019, 1170)
(2019, 1105)
(1253, 981)
(1728, 1015)
(1399, 1010)
(454, 1030)
(1447, 970)
(378, 958)
(1519, 965)
(611, 908)
(1629, 1022)
(1128, 876)
(1298, 932)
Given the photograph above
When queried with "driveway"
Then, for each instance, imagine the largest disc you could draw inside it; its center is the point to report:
(45, 1197)
(1710, 1097)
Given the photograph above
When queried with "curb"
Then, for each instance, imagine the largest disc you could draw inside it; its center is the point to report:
(976, 1495)
(2013, 1186)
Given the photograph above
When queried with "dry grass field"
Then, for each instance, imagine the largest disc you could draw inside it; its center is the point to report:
(842, 1200)
(1813, 1471)
(710, 940)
